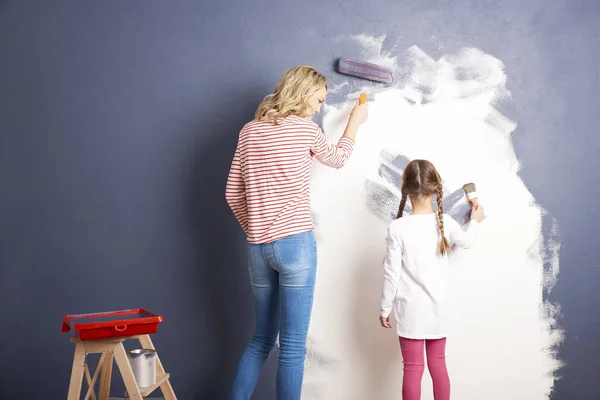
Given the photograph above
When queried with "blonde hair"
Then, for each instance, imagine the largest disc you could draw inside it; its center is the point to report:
(291, 94)
(421, 179)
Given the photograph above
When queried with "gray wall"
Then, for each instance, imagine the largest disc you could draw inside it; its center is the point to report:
(118, 121)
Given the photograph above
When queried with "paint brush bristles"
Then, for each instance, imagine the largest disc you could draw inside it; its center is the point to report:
(471, 192)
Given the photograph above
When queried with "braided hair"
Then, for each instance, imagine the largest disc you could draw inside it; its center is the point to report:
(421, 179)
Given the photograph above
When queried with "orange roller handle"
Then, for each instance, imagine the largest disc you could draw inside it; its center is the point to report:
(362, 99)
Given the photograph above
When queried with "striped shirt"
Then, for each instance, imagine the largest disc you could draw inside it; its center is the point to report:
(268, 185)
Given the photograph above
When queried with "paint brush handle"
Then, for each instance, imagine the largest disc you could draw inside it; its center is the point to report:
(362, 99)
(473, 197)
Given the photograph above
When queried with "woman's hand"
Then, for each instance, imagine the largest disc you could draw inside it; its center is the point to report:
(359, 113)
(385, 322)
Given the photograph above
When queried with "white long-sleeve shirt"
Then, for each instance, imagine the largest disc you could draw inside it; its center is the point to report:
(415, 280)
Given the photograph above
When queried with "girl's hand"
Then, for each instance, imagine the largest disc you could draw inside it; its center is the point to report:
(385, 322)
(477, 214)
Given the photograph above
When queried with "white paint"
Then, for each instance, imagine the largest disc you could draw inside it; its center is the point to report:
(500, 346)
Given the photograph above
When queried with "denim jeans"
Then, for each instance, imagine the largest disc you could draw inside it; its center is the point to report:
(282, 274)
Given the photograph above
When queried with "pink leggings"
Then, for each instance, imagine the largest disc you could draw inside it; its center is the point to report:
(414, 365)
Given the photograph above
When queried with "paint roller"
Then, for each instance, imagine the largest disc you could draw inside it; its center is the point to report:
(365, 70)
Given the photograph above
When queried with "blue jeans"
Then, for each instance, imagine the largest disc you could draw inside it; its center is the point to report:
(282, 274)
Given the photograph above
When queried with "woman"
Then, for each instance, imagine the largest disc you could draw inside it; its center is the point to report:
(268, 190)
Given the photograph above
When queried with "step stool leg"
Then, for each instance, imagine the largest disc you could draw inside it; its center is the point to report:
(105, 378)
(166, 388)
(126, 372)
(91, 393)
(77, 373)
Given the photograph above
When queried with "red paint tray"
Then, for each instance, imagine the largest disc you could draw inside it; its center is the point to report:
(112, 324)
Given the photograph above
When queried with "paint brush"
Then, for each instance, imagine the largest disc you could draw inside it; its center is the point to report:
(471, 192)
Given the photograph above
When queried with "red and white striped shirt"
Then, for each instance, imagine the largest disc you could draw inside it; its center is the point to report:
(268, 186)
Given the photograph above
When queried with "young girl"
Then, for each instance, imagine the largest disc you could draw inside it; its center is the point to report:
(415, 281)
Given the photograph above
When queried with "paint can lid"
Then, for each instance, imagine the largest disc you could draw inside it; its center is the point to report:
(142, 352)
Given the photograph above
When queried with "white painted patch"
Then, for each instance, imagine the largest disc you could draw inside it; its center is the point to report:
(443, 111)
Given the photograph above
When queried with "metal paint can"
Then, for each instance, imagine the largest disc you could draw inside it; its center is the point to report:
(143, 364)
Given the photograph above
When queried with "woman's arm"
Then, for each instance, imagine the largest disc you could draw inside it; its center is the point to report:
(336, 155)
(332, 155)
(235, 191)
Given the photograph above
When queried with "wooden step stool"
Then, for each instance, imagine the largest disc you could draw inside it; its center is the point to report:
(113, 348)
